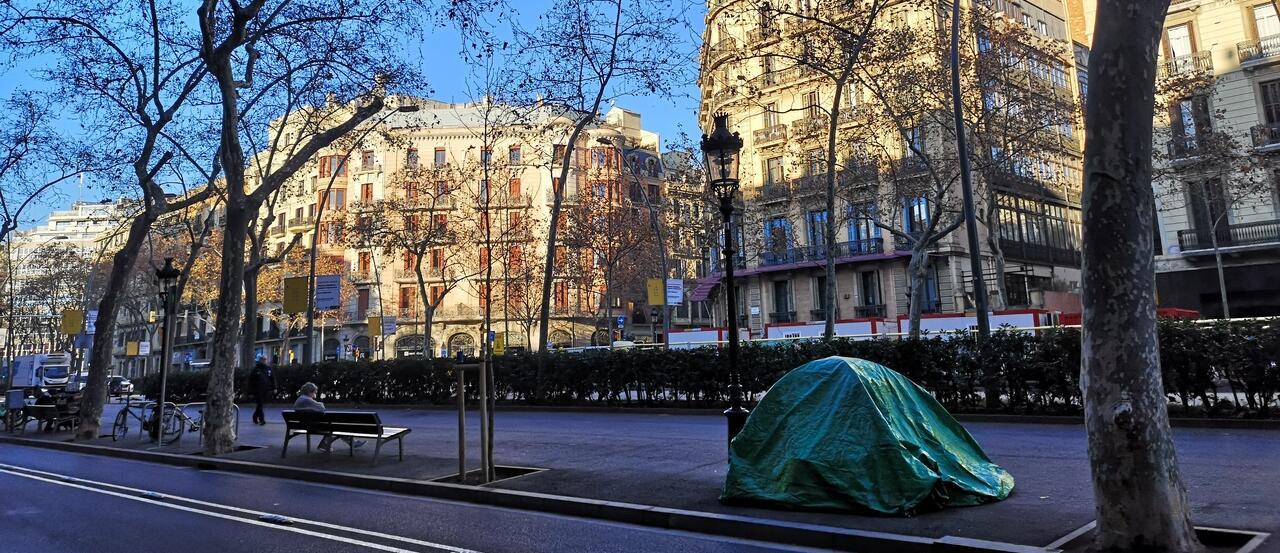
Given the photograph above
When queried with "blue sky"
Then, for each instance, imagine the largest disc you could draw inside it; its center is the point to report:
(447, 77)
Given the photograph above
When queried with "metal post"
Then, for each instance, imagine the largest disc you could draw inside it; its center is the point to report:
(484, 417)
(736, 414)
(462, 423)
(966, 181)
(157, 428)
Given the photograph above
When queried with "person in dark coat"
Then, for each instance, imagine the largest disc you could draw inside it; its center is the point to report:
(262, 382)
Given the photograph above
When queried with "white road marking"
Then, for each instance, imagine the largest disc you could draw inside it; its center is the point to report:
(61, 480)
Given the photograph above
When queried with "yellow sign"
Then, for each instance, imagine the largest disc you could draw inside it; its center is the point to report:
(375, 326)
(72, 321)
(131, 349)
(657, 291)
(500, 343)
(295, 295)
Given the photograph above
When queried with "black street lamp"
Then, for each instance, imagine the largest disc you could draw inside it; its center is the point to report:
(167, 279)
(720, 152)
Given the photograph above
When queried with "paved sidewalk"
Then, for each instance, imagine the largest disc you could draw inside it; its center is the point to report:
(678, 461)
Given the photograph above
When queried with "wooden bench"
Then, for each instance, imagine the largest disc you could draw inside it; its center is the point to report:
(362, 425)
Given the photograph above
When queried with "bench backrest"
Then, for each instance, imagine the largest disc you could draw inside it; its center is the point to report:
(43, 412)
(354, 422)
(310, 421)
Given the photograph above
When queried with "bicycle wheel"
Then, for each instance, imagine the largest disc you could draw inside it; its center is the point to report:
(173, 427)
(121, 427)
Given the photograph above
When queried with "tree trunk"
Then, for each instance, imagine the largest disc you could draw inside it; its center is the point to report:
(916, 282)
(1141, 504)
(249, 332)
(829, 227)
(428, 309)
(219, 431)
(95, 394)
(1217, 255)
(997, 258)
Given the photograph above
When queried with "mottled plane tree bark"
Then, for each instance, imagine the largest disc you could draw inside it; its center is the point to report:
(1141, 503)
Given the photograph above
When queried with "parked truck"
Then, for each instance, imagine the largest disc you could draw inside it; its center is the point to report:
(41, 371)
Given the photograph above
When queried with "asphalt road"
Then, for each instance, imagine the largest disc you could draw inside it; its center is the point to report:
(61, 502)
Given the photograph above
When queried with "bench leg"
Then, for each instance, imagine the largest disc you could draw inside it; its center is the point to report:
(400, 441)
(351, 447)
(308, 442)
(376, 449)
(285, 450)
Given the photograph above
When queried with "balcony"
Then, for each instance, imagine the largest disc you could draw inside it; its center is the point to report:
(869, 311)
(774, 192)
(722, 96)
(569, 198)
(1184, 147)
(407, 275)
(797, 254)
(277, 231)
(1261, 233)
(757, 37)
(1265, 136)
(363, 277)
(821, 314)
(810, 125)
(458, 312)
(1036, 253)
(782, 317)
(1258, 50)
(721, 51)
(770, 135)
(302, 224)
(1190, 65)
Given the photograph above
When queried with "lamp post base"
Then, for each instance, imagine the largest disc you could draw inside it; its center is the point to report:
(737, 418)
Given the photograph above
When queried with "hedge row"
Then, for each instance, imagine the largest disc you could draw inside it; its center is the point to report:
(1220, 370)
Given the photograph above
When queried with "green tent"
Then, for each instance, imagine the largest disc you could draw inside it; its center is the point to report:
(844, 433)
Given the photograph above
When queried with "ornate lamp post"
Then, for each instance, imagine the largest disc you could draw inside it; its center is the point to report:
(720, 152)
(167, 278)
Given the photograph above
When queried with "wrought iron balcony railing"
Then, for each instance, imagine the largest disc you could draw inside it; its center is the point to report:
(1258, 49)
(1244, 234)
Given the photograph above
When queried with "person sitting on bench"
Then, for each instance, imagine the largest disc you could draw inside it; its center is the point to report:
(307, 402)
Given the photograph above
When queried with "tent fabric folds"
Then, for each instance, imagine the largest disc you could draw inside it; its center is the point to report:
(848, 434)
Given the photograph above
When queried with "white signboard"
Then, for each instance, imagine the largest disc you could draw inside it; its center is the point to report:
(388, 326)
(144, 348)
(328, 292)
(675, 291)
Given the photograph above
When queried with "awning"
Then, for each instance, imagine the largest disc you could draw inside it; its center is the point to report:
(704, 287)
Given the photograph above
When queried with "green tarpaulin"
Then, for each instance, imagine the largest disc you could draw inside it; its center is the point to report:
(844, 433)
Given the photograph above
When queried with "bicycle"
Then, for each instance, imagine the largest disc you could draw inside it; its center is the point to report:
(145, 416)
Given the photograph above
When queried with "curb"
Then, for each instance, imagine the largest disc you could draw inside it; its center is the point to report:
(1176, 422)
(734, 526)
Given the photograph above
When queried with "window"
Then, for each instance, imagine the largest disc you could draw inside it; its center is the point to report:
(862, 227)
(407, 303)
(437, 294)
(335, 199)
(440, 159)
(557, 154)
(366, 192)
(932, 299)
(599, 158)
(817, 163)
(411, 158)
(562, 295)
(513, 154)
(440, 222)
(1026, 21)
(1042, 27)
(915, 215)
(364, 262)
(514, 219)
(513, 188)
(816, 221)
(773, 170)
(407, 260)
(1265, 24)
(362, 303)
(766, 70)
(367, 160)
(777, 235)
(765, 17)
(598, 189)
(513, 257)
(819, 285)
(869, 288)
(771, 114)
(1024, 220)
(1178, 40)
(436, 256)
(1270, 101)
(333, 166)
(913, 141)
(442, 188)
(782, 300)
(812, 107)
(1190, 120)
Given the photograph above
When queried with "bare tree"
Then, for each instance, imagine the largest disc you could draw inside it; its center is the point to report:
(585, 54)
(1140, 500)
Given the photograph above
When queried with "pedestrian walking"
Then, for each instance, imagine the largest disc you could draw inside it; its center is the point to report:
(262, 382)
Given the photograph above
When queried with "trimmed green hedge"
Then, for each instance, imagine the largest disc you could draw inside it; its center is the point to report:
(1220, 370)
